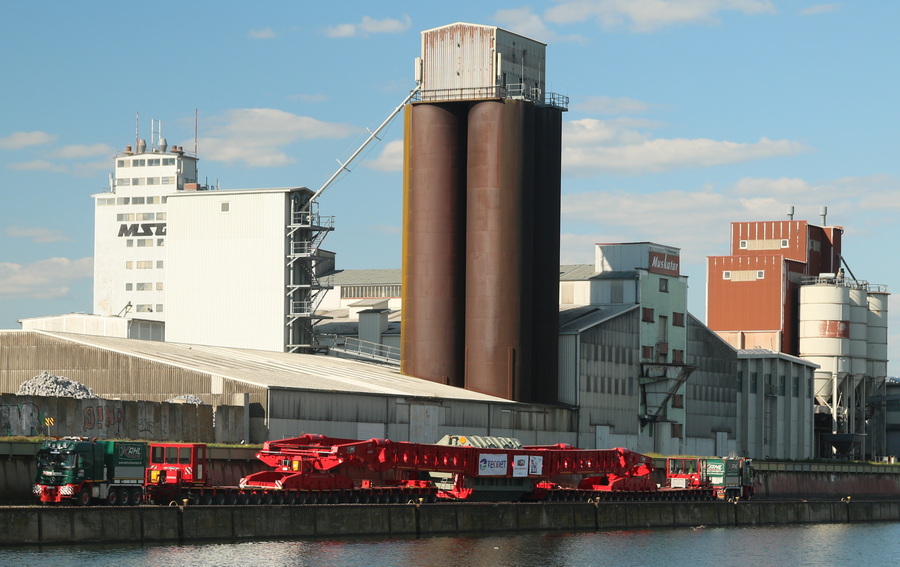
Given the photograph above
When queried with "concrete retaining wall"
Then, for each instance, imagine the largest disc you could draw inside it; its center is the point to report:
(147, 524)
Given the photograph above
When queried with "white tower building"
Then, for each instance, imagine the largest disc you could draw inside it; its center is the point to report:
(130, 231)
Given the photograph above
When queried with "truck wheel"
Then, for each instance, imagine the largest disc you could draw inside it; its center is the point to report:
(84, 497)
(136, 498)
(124, 497)
(112, 497)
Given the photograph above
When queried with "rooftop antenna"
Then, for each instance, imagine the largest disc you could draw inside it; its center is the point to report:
(823, 212)
(137, 128)
(791, 212)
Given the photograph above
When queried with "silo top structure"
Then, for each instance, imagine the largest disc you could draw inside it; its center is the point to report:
(469, 61)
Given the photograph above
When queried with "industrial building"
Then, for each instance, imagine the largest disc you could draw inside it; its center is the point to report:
(786, 287)
(494, 338)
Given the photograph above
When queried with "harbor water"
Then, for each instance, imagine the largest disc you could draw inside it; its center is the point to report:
(876, 543)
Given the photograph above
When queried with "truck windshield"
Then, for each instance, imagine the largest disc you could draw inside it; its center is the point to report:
(47, 459)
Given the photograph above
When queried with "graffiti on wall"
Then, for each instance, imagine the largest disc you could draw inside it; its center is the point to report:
(21, 419)
(102, 420)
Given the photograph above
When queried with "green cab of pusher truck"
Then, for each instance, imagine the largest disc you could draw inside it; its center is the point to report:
(70, 461)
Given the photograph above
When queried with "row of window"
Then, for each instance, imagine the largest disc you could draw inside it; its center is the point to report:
(144, 242)
(367, 291)
(142, 162)
(649, 353)
(134, 181)
(648, 316)
(772, 388)
(108, 201)
(144, 286)
(744, 244)
(741, 275)
(148, 308)
(143, 265)
(123, 217)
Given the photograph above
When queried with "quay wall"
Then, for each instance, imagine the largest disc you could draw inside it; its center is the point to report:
(42, 525)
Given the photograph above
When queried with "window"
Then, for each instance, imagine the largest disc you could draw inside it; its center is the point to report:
(159, 286)
(795, 386)
(153, 181)
(105, 202)
(145, 216)
(743, 244)
(677, 356)
(160, 241)
(129, 243)
(139, 163)
(152, 162)
(664, 285)
(726, 275)
(159, 307)
(129, 287)
(123, 201)
(160, 216)
(144, 287)
(647, 315)
(166, 180)
(129, 265)
(159, 264)
(122, 217)
(646, 352)
(676, 431)
(123, 181)
(137, 200)
(753, 382)
(760, 274)
(122, 163)
(144, 242)
(145, 265)
(678, 401)
(226, 206)
(152, 200)
(784, 243)
(168, 161)
(678, 319)
(144, 308)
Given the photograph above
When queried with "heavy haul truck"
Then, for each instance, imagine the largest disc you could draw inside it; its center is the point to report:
(315, 469)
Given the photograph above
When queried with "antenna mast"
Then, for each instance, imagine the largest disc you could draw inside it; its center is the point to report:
(196, 129)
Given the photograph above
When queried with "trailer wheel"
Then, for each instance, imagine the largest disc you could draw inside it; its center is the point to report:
(136, 497)
(231, 499)
(84, 497)
(267, 499)
(206, 499)
(278, 498)
(243, 499)
(112, 497)
(219, 499)
(290, 499)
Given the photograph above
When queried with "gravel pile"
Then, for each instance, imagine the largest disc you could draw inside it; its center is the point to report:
(185, 399)
(47, 384)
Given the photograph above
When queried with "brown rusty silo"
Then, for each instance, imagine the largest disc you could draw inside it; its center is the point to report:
(434, 242)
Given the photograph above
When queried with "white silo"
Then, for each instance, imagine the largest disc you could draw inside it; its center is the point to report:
(877, 332)
(825, 335)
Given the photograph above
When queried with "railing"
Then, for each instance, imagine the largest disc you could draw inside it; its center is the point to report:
(841, 280)
(514, 90)
(364, 349)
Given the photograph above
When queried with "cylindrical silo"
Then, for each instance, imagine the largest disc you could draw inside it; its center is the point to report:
(825, 335)
(498, 314)
(433, 290)
(877, 334)
(545, 255)
(859, 316)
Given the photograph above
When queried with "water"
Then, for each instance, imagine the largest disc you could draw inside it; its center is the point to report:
(794, 546)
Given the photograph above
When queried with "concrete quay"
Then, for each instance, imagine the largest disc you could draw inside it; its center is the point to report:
(44, 525)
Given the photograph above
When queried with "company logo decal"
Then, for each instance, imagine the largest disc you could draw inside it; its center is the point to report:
(143, 229)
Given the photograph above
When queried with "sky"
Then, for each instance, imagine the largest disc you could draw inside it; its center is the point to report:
(684, 115)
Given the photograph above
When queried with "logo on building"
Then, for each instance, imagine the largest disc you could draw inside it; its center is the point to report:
(143, 229)
(661, 263)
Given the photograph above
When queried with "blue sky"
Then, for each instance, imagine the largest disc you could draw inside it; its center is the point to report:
(684, 115)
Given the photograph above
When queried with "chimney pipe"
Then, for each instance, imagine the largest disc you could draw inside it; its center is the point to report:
(791, 212)
(823, 212)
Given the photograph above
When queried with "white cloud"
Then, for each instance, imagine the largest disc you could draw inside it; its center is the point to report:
(651, 15)
(78, 169)
(257, 136)
(820, 9)
(390, 158)
(78, 151)
(264, 33)
(610, 105)
(36, 234)
(368, 26)
(658, 155)
(18, 140)
(45, 279)
(524, 22)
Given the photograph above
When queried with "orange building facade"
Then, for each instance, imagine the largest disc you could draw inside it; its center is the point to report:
(752, 295)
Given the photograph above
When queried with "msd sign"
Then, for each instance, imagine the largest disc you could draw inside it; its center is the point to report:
(662, 263)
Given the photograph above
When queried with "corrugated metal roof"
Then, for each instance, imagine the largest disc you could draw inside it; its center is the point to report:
(578, 319)
(363, 277)
(279, 369)
(766, 353)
